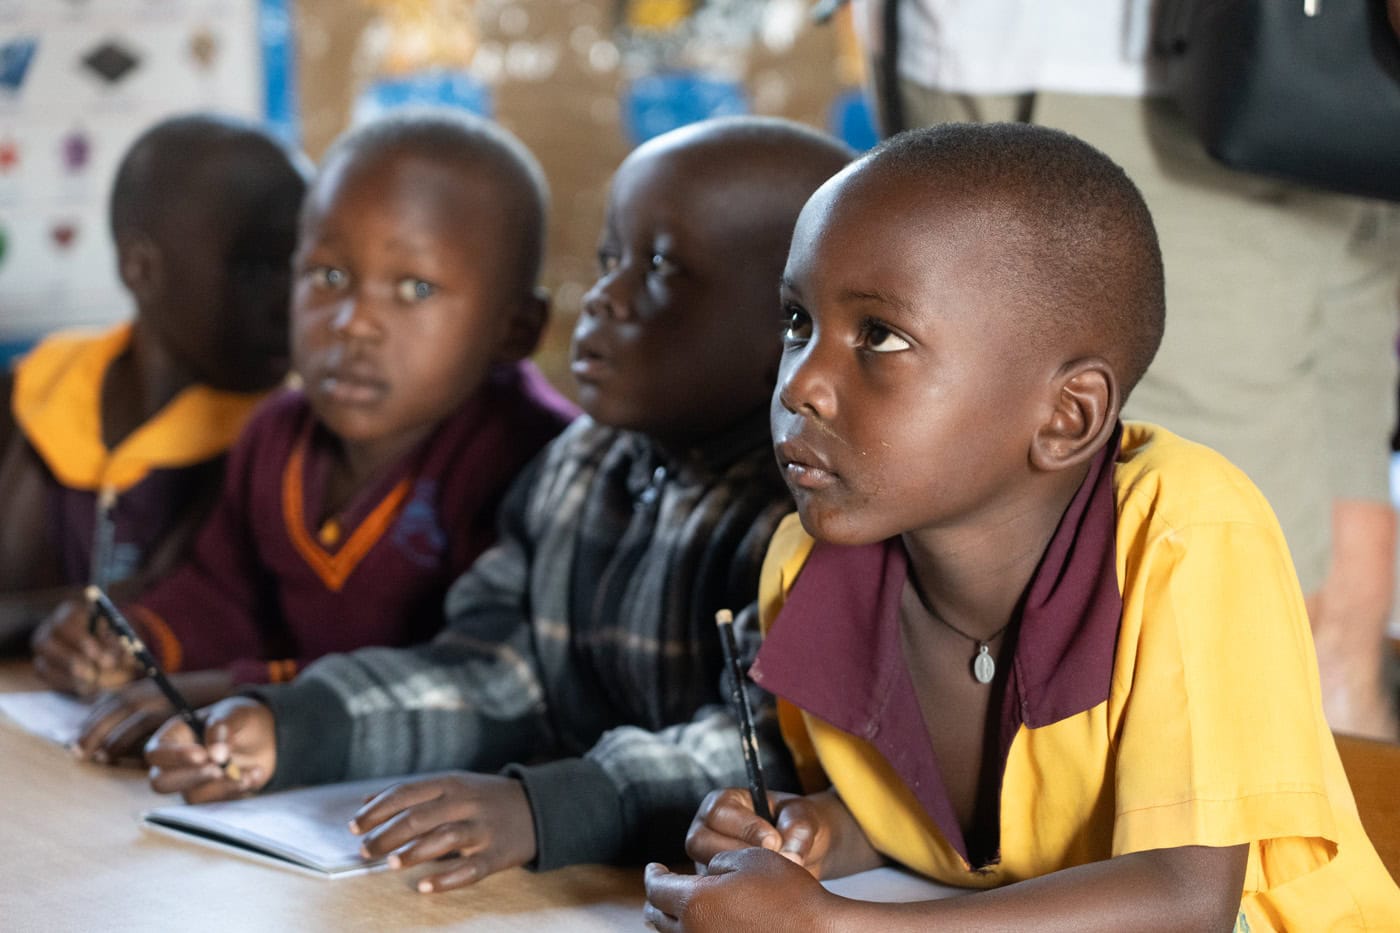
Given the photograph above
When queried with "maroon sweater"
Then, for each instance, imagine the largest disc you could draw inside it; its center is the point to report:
(266, 591)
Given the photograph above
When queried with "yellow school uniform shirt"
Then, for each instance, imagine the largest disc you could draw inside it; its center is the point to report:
(57, 402)
(1207, 728)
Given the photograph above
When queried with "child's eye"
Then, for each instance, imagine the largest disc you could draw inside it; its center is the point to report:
(799, 325)
(663, 266)
(410, 290)
(880, 339)
(327, 277)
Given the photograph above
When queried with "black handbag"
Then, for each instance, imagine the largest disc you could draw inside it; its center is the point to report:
(1307, 90)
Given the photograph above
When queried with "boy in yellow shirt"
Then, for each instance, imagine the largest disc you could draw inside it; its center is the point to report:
(118, 438)
(1028, 648)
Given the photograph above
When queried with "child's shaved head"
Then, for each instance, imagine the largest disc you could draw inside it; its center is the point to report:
(768, 168)
(1075, 250)
(181, 158)
(680, 336)
(476, 145)
(203, 212)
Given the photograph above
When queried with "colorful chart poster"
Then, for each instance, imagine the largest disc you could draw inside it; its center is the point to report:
(79, 80)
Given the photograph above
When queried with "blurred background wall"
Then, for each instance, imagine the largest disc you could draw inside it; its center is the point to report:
(580, 81)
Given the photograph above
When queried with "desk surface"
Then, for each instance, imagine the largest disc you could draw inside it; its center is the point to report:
(73, 856)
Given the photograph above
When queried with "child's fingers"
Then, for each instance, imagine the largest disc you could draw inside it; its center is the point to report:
(414, 823)
(726, 820)
(392, 801)
(799, 832)
(480, 856)
(216, 740)
(221, 787)
(177, 780)
(447, 839)
(125, 738)
(65, 671)
(56, 676)
(97, 727)
(667, 896)
(174, 746)
(461, 873)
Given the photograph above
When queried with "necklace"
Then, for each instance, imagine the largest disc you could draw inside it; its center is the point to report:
(984, 667)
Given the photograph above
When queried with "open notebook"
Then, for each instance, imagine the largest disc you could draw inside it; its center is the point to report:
(305, 829)
(46, 713)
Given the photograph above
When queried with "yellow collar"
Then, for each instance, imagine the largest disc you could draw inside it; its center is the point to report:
(57, 402)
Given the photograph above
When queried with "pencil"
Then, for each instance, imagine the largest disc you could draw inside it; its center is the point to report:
(138, 650)
(758, 790)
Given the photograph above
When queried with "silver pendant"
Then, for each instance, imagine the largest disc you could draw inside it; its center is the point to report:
(983, 667)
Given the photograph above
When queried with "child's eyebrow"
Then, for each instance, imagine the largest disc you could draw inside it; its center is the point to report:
(412, 245)
(899, 306)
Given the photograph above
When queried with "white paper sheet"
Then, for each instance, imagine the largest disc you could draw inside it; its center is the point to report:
(890, 886)
(304, 829)
(48, 714)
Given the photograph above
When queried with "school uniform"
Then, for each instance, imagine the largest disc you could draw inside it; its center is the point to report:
(271, 586)
(1162, 691)
(136, 492)
(581, 650)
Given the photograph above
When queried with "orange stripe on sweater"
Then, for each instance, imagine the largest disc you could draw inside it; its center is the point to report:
(334, 569)
(157, 633)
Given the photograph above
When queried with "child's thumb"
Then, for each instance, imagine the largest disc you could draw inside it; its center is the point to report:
(797, 841)
(761, 834)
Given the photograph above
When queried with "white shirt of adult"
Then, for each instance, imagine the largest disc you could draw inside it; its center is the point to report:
(1017, 46)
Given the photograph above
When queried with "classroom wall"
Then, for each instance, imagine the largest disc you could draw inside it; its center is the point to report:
(557, 74)
(567, 76)
(78, 81)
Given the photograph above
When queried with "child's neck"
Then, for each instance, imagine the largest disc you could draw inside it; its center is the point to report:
(360, 463)
(717, 447)
(137, 385)
(973, 578)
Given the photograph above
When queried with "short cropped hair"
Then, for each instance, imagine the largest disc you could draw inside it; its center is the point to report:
(154, 174)
(454, 136)
(1081, 253)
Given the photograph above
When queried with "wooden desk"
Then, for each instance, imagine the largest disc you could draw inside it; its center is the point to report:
(73, 857)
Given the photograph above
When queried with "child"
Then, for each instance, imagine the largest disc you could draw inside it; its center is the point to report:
(351, 504)
(119, 438)
(582, 648)
(1033, 650)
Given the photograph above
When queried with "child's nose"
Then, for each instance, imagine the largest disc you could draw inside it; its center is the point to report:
(803, 385)
(354, 317)
(603, 300)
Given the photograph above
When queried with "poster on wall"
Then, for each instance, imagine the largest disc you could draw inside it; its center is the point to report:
(79, 80)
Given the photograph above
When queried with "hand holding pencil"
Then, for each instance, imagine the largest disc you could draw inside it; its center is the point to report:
(802, 829)
(131, 641)
(240, 739)
(743, 712)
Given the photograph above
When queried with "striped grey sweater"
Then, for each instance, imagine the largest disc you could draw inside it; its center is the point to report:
(580, 653)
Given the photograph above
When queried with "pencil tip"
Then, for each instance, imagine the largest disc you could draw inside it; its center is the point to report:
(724, 617)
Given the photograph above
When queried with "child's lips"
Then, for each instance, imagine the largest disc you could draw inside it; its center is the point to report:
(352, 389)
(588, 366)
(804, 467)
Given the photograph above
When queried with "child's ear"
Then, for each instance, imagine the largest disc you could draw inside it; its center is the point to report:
(1084, 413)
(525, 327)
(142, 268)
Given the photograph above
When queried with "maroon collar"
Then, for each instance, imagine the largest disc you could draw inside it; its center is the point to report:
(841, 618)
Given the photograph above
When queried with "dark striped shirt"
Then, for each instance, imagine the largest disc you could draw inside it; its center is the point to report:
(580, 651)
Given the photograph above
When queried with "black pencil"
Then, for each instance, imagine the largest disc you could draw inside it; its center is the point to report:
(758, 790)
(138, 650)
